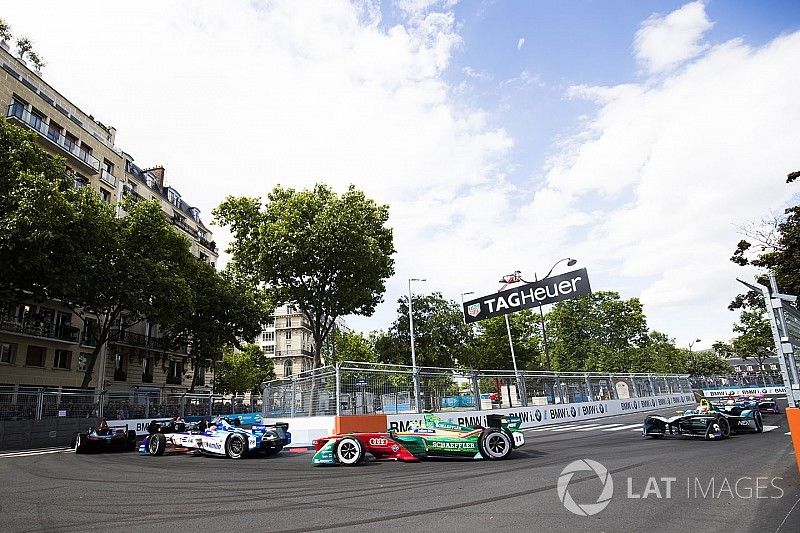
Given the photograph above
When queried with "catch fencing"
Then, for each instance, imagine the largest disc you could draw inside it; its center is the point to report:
(353, 388)
(44, 404)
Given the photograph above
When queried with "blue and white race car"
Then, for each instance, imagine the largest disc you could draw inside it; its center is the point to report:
(220, 437)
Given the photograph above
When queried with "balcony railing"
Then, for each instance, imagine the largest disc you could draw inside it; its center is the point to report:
(89, 338)
(17, 111)
(136, 339)
(181, 223)
(211, 245)
(50, 330)
(130, 192)
(293, 353)
(108, 177)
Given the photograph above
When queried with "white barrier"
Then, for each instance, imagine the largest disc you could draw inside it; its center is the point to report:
(543, 415)
(750, 391)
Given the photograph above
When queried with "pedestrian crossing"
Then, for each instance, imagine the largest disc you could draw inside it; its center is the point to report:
(583, 427)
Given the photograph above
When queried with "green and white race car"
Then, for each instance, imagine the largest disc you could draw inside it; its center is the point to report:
(433, 438)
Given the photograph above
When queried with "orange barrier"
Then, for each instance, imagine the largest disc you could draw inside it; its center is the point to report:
(361, 424)
(793, 417)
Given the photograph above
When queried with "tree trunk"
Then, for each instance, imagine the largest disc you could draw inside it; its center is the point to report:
(102, 340)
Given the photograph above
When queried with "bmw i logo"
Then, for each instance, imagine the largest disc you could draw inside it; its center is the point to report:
(538, 415)
(572, 412)
(601, 408)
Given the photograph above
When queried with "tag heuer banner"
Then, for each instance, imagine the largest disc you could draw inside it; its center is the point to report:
(551, 290)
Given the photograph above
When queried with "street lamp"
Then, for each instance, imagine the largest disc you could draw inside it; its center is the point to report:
(691, 355)
(413, 351)
(507, 280)
(570, 262)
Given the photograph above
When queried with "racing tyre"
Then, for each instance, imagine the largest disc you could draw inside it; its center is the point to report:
(718, 429)
(349, 451)
(157, 444)
(494, 444)
(759, 420)
(81, 443)
(235, 446)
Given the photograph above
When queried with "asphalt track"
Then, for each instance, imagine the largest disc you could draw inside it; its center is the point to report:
(61, 491)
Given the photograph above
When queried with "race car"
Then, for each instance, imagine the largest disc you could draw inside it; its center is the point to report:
(105, 437)
(707, 421)
(761, 402)
(433, 438)
(218, 438)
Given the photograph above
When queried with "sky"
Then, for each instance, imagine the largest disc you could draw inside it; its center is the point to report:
(636, 137)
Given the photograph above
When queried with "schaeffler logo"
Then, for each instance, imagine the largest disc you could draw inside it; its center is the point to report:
(585, 509)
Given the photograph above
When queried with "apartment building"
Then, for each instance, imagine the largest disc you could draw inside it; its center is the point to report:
(44, 344)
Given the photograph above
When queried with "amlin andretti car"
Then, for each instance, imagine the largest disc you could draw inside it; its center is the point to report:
(220, 437)
(118, 438)
(434, 438)
(708, 421)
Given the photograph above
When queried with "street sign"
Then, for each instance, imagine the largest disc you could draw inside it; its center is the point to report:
(547, 291)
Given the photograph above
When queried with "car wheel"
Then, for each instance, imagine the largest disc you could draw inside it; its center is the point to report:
(157, 444)
(81, 443)
(349, 451)
(494, 444)
(714, 431)
(759, 420)
(235, 446)
(725, 426)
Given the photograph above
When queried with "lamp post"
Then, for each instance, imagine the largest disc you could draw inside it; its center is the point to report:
(570, 262)
(691, 355)
(413, 350)
(507, 280)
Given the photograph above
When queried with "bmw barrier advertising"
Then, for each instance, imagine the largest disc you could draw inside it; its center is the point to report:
(749, 391)
(541, 415)
(551, 290)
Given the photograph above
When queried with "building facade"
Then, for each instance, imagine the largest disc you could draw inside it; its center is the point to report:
(45, 344)
(288, 340)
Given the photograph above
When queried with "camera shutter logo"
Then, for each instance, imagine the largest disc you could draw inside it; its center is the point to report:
(585, 509)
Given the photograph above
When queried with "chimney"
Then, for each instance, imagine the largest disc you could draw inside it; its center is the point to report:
(158, 172)
(113, 131)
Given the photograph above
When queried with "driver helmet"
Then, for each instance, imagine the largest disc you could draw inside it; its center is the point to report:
(730, 402)
(702, 409)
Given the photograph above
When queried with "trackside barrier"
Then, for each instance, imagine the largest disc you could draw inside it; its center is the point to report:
(362, 424)
(750, 391)
(305, 429)
(793, 417)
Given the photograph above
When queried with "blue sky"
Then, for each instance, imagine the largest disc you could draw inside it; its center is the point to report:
(635, 136)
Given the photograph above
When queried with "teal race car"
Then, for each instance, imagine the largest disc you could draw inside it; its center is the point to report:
(433, 438)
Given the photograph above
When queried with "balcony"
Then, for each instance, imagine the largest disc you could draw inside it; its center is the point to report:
(18, 113)
(34, 328)
(129, 192)
(108, 178)
(181, 223)
(294, 353)
(120, 375)
(89, 338)
(135, 339)
(211, 245)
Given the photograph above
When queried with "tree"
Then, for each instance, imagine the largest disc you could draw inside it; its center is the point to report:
(127, 269)
(328, 254)
(490, 349)
(705, 364)
(351, 346)
(598, 332)
(659, 354)
(37, 218)
(222, 311)
(244, 371)
(440, 336)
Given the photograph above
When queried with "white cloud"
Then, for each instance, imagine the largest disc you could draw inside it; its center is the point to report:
(520, 43)
(664, 42)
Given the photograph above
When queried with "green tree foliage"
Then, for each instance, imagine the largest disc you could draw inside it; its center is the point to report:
(222, 311)
(328, 254)
(441, 338)
(598, 332)
(244, 371)
(489, 347)
(705, 364)
(351, 346)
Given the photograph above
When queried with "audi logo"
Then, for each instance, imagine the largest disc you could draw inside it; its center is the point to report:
(378, 441)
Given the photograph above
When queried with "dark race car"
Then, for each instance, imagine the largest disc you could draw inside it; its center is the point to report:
(706, 421)
(760, 402)
(434, 438)
(118, 438)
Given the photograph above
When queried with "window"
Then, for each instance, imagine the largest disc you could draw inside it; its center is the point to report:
(268, 336)
(80, 181)
(54, 131)
(270, 323)
(119, 361)
(62, 360)
(289, 335)
(108, 166)
(287, 369)
(147, 367)
(70, 142)
(83, 361)
(173, 197)
(86, 151)
(8, 353)
(37, 120)
(288, 321)
(17, 107)
(35, 356)
(105, 195)
(269, 350)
